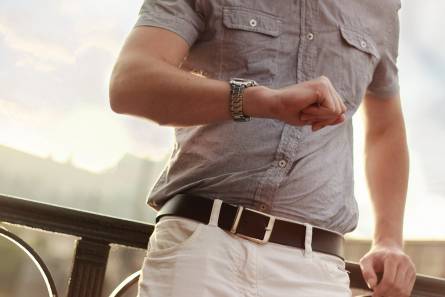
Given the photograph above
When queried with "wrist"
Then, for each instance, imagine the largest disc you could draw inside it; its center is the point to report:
(388, 232)
(392, 242)
(257, 102)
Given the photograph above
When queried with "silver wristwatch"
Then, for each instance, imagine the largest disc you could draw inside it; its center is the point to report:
(237, 86)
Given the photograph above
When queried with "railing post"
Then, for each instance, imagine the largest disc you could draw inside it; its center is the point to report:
(88, 272)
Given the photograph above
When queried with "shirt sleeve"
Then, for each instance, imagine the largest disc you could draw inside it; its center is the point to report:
(178, 16)
(385, 81)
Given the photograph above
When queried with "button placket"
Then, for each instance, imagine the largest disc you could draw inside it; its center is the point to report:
(274, 176)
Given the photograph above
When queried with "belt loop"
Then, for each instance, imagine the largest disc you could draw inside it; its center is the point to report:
(215, 212)
(308, 241)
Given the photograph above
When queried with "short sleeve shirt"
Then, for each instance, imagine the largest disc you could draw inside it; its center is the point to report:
(266, 164)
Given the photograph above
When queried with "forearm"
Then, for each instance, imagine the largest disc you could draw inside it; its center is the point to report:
(170, 96)
(387, 168)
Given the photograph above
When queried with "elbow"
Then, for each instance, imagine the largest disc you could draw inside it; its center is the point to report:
(116, 94)
(123, 99)
(115, 103)
(121, 94)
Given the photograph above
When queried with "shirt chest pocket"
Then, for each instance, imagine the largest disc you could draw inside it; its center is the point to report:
(250, 43)
(348, 58)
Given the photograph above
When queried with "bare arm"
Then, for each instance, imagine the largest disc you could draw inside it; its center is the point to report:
(387, 166)
(386, 154)
(147, 82)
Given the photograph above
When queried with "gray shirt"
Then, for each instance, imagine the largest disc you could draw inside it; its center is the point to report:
(266, 164)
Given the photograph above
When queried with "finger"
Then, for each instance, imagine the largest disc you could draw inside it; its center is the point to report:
(317, 110)
(369, 273)
(337, 101)
(340, 119)
(323, 96)
(304, 121)
(412, 282)
(336, 97)
(340, 101)
(343, 107)
(333, 98)
(319, 125)
(410, 276)
(307, 122)
(310, 117)
(389, 273)
(337, 120)
(316, 126)
(401, 281)
(315, 118)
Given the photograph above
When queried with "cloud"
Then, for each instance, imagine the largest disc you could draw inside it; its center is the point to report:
(422, 27)
(36, 49)
(56, 58)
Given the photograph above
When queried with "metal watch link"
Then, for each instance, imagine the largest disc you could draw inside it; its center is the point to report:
(237, 86)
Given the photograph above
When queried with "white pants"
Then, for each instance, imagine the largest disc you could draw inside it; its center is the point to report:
(186, 258)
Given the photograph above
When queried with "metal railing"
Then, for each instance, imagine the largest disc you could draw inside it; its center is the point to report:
(97, 232)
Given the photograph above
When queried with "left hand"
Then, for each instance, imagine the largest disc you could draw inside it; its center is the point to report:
(399, 272)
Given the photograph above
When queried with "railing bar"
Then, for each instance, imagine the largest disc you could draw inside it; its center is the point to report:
(122, 288)
(37, 260)
(74, 222)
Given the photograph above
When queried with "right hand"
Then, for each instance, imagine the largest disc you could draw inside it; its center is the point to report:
(314, 102)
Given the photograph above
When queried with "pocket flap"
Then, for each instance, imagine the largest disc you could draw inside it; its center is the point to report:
(359, 40)
(251, 20)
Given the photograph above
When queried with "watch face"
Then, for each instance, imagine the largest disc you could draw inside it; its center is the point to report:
(243, 81)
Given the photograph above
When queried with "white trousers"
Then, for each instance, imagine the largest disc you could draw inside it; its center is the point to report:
(186, 258)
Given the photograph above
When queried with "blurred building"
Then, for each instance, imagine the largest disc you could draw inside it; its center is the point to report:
(119, 191)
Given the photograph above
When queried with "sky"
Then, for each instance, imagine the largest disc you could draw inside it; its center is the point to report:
(56, 57)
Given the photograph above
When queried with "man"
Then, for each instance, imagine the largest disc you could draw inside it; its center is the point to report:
(272, 151)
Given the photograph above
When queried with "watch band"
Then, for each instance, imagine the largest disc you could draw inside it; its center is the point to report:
(237, 86)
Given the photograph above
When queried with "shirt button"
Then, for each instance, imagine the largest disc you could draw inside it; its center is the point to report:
(363, 44)
(310, 36)
(263, 207)
(253, 22)
(282, 163)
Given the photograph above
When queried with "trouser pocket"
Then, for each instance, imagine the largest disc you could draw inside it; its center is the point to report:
(334, 268)
(172, 233)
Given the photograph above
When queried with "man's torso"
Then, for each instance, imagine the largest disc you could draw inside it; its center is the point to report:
(266, 164)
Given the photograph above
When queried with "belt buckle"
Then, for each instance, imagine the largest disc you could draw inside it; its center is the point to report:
(268, 229)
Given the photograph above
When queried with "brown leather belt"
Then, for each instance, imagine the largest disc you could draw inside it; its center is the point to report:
(252, 224)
